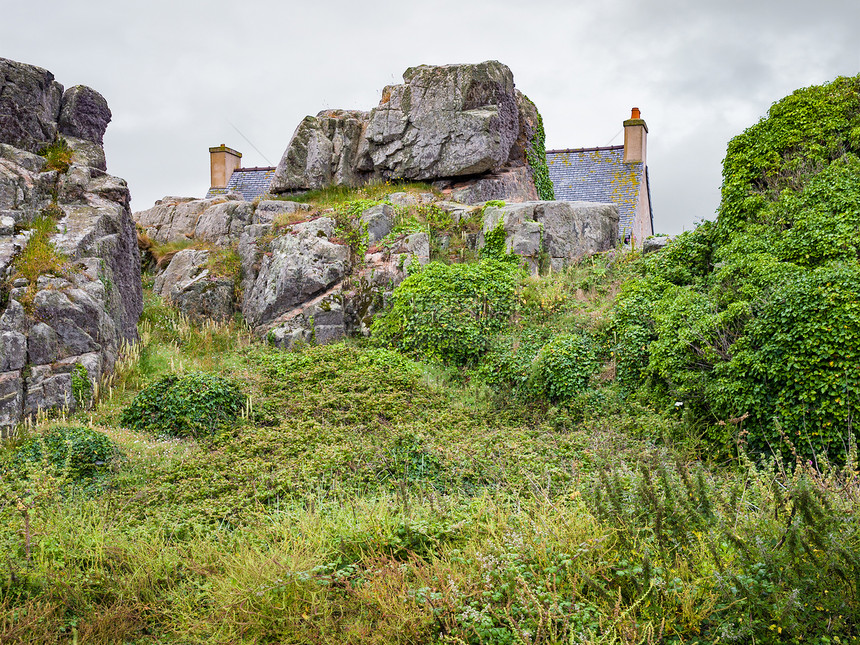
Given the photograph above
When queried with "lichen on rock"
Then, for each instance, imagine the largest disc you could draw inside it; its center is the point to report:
(449, 123)
(74, 313)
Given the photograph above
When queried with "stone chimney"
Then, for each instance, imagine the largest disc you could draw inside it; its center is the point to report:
(222, 162)
(635, 138)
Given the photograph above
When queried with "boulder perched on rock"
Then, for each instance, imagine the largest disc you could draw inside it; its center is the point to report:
(62, 328)
(444, 123)
(324, 150)
(84, 114)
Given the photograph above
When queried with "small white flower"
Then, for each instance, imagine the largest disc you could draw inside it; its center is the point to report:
(678, 404)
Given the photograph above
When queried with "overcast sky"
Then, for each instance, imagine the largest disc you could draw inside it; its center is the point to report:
(181, 76)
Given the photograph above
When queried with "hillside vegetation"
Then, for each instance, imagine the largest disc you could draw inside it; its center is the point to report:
(635, 450)
(755, 317)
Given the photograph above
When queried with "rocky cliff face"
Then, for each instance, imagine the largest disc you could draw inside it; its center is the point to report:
(69, 264)
(445, 124)
(298, 278)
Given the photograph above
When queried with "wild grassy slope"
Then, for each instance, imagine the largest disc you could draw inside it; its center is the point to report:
(366, 497)
(557, 459)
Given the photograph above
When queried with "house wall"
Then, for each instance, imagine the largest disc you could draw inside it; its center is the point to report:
(642, 226)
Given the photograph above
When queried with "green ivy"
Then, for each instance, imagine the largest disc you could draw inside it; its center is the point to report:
(450, 312)
(76, 451)
(349, 228)
(564, 366)
(751, 324)
(536, 158)
(192, 405)
(802, 134)
(796, 371)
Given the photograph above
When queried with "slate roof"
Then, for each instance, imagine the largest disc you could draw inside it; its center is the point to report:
(597, 175)
(250, 182)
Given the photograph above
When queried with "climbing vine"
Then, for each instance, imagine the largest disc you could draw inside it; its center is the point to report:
(536, 157)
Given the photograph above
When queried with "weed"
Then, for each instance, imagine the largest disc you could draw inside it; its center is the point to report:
(40, 257)
(82, 386)
(58, 155)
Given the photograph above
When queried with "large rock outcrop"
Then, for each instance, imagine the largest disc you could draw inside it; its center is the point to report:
(34, 108)
(190, 286)
(297, 267)
(298, 279)
(61, 329)
(443, 124)
(220, 220)
(555, 233)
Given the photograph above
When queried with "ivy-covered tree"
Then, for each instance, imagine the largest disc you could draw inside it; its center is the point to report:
(752, 322)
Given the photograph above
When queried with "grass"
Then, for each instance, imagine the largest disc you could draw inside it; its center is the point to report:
(58, 155)
(336, 195)
(369, 498)
(40, 257)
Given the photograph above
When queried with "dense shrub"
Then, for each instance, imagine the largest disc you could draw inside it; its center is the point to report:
(783, 566)
(450, 312)
(563, 367)
(192, 405)
(802, 133)
(754, 317)
(509, 358)
(77, 451)
(797, 367)
(633, 328)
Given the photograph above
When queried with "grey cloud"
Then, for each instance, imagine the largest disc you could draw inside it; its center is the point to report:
(176, 74)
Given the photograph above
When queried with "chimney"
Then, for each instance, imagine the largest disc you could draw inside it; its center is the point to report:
(222, 162)
(635, 138)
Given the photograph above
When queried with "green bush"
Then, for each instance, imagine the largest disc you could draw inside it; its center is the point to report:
(782, 560)
(564, 366)
(687, 259)
(751, 322)
(802, 133)
(192, 405)
(797, 368)
(450, 312)
(633, 328)
(78, 451)
(508, 361)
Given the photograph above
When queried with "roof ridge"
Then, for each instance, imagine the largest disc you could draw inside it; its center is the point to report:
(587, 149)
(254, 168)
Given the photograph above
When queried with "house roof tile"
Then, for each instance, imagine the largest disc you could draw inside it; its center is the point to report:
(249, 182)
(597, 175)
